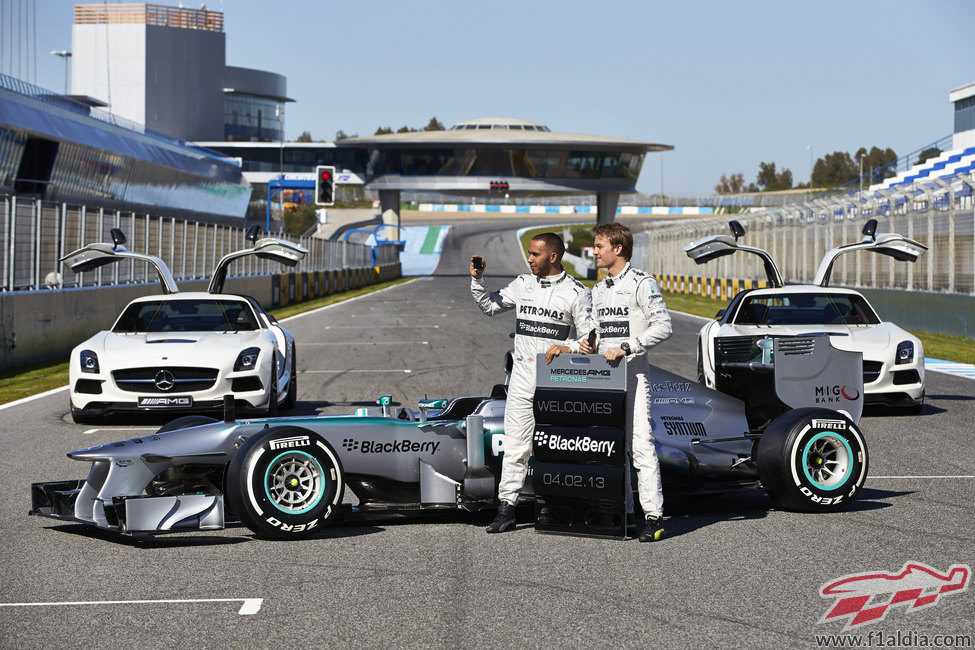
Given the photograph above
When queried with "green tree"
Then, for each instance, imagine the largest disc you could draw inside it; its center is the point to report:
(434, 125)
(834, 169)
(783, 181)
(878, 164)
(733, 184)
(342, 135)
(766, 175)
(304, 137)
(770, 180)
(383, 130)
(404, 129)
(930, 152)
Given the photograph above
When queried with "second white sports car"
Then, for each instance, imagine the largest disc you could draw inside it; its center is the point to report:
(184, 351)
(893, 359)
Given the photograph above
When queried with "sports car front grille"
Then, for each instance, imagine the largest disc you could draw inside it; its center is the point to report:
(185, 380)
(871, 371)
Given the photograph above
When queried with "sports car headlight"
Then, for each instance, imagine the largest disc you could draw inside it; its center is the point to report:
(247, 360)
(89, 361)
(905, 352)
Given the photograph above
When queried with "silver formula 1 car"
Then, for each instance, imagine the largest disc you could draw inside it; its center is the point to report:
(783, 417)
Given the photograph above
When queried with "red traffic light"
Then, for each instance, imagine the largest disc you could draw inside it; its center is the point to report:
(326, 175)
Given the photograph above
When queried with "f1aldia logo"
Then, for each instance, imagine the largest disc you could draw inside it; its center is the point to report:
(865, 598)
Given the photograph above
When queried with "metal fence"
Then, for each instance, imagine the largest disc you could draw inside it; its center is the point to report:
(941, 218)
(36, 234)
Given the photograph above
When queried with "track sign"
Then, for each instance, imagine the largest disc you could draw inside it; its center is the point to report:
(324, 185)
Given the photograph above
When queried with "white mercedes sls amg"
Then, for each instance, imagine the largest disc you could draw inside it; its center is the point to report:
(893, 359)
(184, 351)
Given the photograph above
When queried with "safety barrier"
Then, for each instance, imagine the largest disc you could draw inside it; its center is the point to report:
(35, 234)
(39, 325)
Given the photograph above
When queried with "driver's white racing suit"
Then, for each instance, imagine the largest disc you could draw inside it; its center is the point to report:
(629, 308)
(547, 309)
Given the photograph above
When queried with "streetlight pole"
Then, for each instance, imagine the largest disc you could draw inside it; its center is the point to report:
(64, 54)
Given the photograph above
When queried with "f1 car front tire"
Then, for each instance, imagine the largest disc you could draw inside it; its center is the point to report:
(812, 459)
(285, 483)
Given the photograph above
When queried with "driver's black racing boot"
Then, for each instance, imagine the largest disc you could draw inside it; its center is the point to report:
(505, 519)
(653, 530)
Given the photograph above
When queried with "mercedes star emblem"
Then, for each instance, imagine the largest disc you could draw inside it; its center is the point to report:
(165, 380)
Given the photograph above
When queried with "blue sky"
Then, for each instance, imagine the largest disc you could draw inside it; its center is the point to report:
(729, 84)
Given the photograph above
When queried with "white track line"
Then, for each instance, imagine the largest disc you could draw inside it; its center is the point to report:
(32, 397)
(248, 605)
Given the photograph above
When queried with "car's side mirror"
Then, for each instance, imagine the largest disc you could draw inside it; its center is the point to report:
(253, 233)
(118, 238)
(737, 229)
(870, 229)
(509, 362)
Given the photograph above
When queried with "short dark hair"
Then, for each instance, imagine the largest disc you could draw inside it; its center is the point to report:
(553, 243)
(618, 235)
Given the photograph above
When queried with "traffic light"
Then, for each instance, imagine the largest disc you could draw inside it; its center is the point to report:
(499, 186)
(324, 185)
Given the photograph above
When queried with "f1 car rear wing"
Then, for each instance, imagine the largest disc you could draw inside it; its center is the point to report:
(269, 248)
(97, 255)
(710, 248)
(891, 244)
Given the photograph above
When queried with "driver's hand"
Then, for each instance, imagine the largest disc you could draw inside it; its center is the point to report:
(555, 351)
(477, 273)
(584, 347)
(613, 354)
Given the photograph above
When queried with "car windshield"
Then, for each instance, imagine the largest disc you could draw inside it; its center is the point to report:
(198, 315)
(806, 309)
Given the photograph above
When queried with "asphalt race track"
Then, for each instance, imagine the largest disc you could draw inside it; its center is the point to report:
(732, 571)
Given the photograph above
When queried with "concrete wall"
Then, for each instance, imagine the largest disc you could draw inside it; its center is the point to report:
(40, 325)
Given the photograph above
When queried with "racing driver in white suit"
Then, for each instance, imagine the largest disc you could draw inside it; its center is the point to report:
(548, 304)
(631, 318)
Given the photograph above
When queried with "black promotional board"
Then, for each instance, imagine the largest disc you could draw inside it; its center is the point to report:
(579, 447)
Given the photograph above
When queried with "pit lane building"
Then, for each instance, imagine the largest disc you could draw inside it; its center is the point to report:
(488, 158)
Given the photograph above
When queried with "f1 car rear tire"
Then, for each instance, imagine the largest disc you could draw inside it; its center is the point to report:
(185, 422)
(291, 399)
(285, 483)
(812, 459)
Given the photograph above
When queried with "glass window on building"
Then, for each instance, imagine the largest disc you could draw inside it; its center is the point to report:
(583, 164)
(252, 119)
(965, 114)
